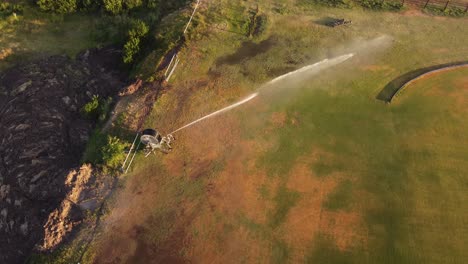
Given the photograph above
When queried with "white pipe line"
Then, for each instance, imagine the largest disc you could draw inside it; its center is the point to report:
(173, 69)
(131, 161)
(170, 63)
(130, 151)
(193, 13)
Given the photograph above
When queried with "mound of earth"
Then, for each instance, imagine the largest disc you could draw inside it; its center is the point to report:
(43, 135)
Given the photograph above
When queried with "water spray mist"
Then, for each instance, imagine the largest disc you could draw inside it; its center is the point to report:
(309, 69)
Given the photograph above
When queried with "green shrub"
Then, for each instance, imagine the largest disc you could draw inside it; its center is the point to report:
(454, 12)
(18, 8)
(261, 24)
(331, 3)
(104, 109)
(90, 109)
(393, 6)
(7, 8)
(113, 153)
(139, 29)
(117, 6)
(381, 5)
(153, 4)
(450, 11)
(130, 4)
(58, 6)
(92, 153)
(113, 6)
(4, 7)
(105, 150)
(97, 109)
(131, 48)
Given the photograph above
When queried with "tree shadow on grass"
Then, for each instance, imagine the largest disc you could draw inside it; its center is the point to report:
(325, 21)
(248, 50)
(392, 88)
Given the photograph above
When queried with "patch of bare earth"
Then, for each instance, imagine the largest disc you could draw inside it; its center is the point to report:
(134, 233)
(414, 12)
(278, 119)
(231, 195)
(219, 155)
(377, 68)
(461, 95)
(5, 53)
(308, 218)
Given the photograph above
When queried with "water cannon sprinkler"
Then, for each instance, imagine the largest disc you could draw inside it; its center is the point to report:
(153, 140)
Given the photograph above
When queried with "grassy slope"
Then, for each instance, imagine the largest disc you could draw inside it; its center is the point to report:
(400, 168)
(34, 34)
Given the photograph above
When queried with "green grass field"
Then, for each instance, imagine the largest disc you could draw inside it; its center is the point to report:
(34, 34)
(318, 172)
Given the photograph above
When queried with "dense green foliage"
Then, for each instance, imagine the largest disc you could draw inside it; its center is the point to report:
(135, 35)
(130, 4)
(449, 11)
(105, 150)
(113, 152)
(7, 8)
(388, 5)
(113, 6)
(58, 6)
(118, 6)
(331, 3)
(131, 48)
(97, 108)
(90, 109)
(261, 24)
(381, 5)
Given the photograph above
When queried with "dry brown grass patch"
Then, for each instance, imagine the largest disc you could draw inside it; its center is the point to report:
(308, 218)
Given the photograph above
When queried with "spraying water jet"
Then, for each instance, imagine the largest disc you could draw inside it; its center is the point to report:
(241, 102)
(154, 141)
(313, 68)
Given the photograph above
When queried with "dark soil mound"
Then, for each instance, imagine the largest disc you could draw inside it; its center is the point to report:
(43, 135)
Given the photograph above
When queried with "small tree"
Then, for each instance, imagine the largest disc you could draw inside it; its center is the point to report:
(132, 46)
(130, 4)
(153, 4)
(58, 6)
(91, 108)
(113, 152)
(139, 29)
(113, 6)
